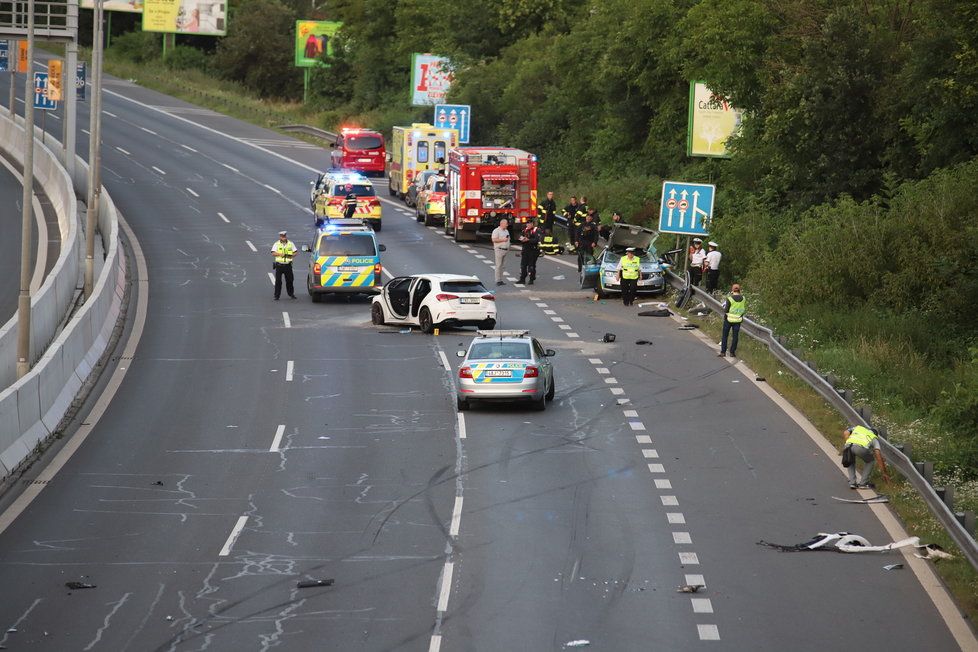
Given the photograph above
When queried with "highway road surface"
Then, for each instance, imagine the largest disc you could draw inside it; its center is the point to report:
(253, 444)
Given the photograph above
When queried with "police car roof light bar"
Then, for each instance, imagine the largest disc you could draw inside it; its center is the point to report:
(503, 333)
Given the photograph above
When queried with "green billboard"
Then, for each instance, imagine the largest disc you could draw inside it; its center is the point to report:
(313, 39)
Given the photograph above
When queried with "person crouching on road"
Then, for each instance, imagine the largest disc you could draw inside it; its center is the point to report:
(500, 247)
(283, 251)
(864, 444)
(734, 308)
(629, 269)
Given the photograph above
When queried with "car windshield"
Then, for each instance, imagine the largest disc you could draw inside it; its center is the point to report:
(362, 142)
(359, 190)
(463, 286)
(347, 245)
(500, 351)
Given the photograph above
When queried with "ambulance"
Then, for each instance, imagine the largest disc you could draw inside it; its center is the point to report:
(415, 149)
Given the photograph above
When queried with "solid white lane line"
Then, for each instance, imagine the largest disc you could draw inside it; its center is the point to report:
(669, 501)
(123, 151)
(701, 605)
(662, 483)
(233, 169)
(461, 426)
(235, 533)
(191, 191)
(271, 277)
(708, 632)
(650, 453)
(223, 217)
(627, 413)
(277, 439)
(158, 170)
(286, 320)
(693, 579)
(275, 190)
(149, 131)
(681, 538)
(676, 518)
(251, 246)
(446, 586)
(188, 147)
(444, 361)
(456, 517)
(435, 645)
(289, 371)
(689, 558)
(657, 468)
(109, 113)
(643, 439)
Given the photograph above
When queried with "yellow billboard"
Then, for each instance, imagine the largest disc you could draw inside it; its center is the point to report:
(55, 81)
(132, 6)
(204, 17)
(711, 122)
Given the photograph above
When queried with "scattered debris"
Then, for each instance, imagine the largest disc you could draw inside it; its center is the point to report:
(690, 588)
(582, 642)
(890, 567)
(608, 337)
(700, 312)
(863, 501)
(760, 379)
(158, 483)
(841, 542)
(308, 584)
(168, 618)
(934, 552)
(12, 630)
(659, 312)
(687, 327)
(75, 586)
(643, 342)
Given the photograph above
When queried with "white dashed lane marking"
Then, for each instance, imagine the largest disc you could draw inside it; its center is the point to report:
(693, 580)
(461, 426)
(235, 533)
(123, 151)
(271, 277)
(650, 453)
(456, 517)
(669, 501)
(643, 439)
(149, 131)
(189, 148)
(289, 371)
(618, 390)
(681, 538)
(572, 335)
(277, 439)
(158, 170)
(191, 191)
(286, 320)
(446, 586)
(233, 169)
(702, 605)
(708, 632)
(675, 518)
(657, 468)
(689, 559)
(663, 483)
(611, 380)
(251, 246)
(109, 113)
(223, 217)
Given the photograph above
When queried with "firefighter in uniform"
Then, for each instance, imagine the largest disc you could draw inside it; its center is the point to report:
(547, 209)
(629, 269)
(284, 251)
(349, 202)
(548, 244)
(570, 215)
(587, 239)
(531, 251)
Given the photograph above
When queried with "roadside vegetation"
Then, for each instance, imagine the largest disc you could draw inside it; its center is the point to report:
(847, 210)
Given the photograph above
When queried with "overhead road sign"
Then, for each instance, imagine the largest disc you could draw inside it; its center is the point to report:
(41, 101)
(686, 208)
(454, 116)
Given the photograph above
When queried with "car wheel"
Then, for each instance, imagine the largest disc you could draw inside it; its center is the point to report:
(428, 221)
(553, 389)
(541, 404)
(375, 225)
(390, 190)
(425, 321)
(418, 216)
(487, 325)
(461, 404)
(599, 293)
(377, 314)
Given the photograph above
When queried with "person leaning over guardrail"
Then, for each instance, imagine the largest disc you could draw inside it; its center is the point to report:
(734, 309)
(862, 443)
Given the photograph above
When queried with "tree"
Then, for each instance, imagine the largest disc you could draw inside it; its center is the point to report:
(259, 49)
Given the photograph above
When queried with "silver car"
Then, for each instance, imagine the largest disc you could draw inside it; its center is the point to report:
(505, 366)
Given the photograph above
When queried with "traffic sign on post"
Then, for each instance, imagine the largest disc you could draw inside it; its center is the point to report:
(4, 55)
(454, 116)
(80, 82)
(41, 100)
(686, 208)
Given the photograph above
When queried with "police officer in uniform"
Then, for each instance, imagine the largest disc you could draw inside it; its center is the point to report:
(284, 251)
(697, 260)
(629, 269)
(349, 202)
(531, 251)
(547, 209)
(865, 445)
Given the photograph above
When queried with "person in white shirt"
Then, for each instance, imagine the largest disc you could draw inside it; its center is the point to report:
(697, 257)
(500, 247)
(712, 267)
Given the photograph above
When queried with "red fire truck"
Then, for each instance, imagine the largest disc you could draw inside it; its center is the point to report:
(487, 184)
(360, 150)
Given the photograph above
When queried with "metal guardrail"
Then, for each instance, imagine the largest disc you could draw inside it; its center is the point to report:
(939, 500)
(310, 131)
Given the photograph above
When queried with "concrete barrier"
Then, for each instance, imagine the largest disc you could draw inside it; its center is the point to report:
(33, 407)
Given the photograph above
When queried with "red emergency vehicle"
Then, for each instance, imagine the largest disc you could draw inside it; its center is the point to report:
(360, 150)
(486, 184)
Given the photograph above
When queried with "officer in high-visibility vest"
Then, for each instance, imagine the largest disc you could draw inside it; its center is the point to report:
(629, 269)
(549, 246)
(284, 251)
(865, 445)
(734, 307)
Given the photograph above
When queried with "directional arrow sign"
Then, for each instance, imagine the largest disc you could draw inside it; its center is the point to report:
(454, 116)
(41, 100)
(686, 208)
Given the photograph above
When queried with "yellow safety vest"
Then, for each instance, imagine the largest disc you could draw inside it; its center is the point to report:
(861, 436)
(549, 244)
(283, 251)
(630, 269)
(735, 313)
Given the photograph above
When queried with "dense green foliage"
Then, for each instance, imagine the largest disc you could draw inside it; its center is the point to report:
(847, 209)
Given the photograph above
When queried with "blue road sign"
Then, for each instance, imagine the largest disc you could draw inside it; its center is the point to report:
(80, 82)
(454, 116)
(4, 55)
(686, 208)
(41, 100)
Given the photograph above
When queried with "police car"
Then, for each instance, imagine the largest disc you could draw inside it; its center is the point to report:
(345, 260)
(505, 365)
(330, 189)
(601, 273)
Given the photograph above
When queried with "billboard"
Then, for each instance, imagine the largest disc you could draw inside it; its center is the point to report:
(115, 5)
(431, 77)
(711, 122)
(204, 17)
(55, 80)
(313, 38)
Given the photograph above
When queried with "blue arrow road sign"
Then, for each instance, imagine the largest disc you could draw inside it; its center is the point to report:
(40, 99)
(686, 208)
(454, 116)
(4, 55)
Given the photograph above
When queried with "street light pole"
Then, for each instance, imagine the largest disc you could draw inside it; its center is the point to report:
(94, 151)
(27, 213)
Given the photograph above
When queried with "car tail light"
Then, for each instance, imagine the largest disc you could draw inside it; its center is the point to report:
(445, 297)
(336, 201)
(465, 372)
(489, 297)
(317, 269)
(531, 372)
(378, 269)
(374, 203)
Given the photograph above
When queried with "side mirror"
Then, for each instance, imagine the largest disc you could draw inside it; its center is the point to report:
(550, 353)
(306, 248)
(460, 354)
(381, 247)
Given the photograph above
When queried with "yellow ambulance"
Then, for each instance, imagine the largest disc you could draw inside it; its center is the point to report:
(415, 149)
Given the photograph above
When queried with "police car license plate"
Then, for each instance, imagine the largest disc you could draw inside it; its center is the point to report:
(469, 300)
(499, 373)
(352, 270)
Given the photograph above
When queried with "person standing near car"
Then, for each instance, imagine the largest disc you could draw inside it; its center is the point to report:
(573, 220)
(500, 247)
(547, 210)
(864, 444)
(697, 259)
(712, 267)
(349, 202)
(284, 251)
(734, 308)
(531, 251)
(587, 238)
(629, 269)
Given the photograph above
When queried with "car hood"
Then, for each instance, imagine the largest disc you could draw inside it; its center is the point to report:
(629, 235)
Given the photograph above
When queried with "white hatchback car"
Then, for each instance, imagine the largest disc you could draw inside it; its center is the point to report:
(435, 300)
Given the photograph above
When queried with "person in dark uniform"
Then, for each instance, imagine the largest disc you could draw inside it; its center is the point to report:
(547, 210)
(349, 202)
(531, 251)
(284, 251)
(587, 238)
(548, 243)
(569, 215)
(605, 229)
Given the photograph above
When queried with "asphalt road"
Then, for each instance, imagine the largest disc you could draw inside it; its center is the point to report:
(256, 443)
